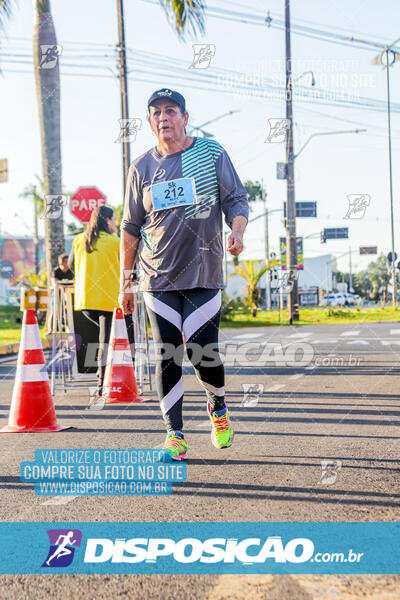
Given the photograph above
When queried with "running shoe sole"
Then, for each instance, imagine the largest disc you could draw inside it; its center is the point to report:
(167, 455)
(171, 458)
(212, 432)
(222, 447)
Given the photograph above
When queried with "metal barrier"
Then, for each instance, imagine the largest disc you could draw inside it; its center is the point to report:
(142, 358)
(66, 342)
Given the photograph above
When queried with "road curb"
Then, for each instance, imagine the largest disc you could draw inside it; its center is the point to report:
(13, 348)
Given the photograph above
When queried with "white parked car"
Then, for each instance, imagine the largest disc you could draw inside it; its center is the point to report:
(341, 299)
(349, 299)
(329, 300)
(333, 300)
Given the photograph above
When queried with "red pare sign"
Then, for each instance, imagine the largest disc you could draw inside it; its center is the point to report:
(84, 201)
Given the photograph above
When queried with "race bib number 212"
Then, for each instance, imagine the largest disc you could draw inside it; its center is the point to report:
(170, 194)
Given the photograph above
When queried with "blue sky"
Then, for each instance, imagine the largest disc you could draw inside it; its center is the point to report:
(330, 168)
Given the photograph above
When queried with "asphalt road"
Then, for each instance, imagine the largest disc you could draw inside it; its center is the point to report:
(317, 393)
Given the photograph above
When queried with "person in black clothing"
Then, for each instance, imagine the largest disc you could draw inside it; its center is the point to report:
(63, 271)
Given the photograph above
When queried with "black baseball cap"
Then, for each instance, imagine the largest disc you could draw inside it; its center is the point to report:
(167, 94)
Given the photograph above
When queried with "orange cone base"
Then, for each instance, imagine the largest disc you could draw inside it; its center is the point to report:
(120, 386)
(22, 429)
(116, 400)
(37, 415)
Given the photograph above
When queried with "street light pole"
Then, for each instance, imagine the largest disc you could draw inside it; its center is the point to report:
(394, 299)
(206, 133)
(313, 135)
(292, 297)
(378, 60)
(350, 274)
(327, 275)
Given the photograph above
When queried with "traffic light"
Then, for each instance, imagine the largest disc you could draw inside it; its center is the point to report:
(323, 238)
(235, 261)
(390, 257)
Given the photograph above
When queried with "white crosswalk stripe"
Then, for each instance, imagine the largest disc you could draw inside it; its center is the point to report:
(57, 500)
(247, 336)
(352, 333)
(300, 335)
(325, 341)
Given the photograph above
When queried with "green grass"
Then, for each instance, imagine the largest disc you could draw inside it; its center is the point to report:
(10, 330)
(318, 316)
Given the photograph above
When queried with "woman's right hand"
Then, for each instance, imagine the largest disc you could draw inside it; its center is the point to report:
(126, 302)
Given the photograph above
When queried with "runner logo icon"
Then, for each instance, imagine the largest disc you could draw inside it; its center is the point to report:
(62, 547)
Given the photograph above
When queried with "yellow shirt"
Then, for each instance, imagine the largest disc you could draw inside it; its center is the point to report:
(96, 273)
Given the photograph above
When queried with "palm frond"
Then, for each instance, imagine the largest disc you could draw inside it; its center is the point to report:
(241, 271)
(186, 16)
(6, 7)
(259, 274)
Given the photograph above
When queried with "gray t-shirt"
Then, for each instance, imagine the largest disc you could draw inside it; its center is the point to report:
(181, 247)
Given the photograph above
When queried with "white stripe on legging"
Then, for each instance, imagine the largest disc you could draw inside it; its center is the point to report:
(162, 309)
(211, 388)
(172, 397)
(201, 315)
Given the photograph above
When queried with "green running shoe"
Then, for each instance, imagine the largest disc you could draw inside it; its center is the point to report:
(222, 432)
(175, 446)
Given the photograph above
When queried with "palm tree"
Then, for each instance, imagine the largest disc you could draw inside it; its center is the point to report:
(252, 275)
(185, 15)
(47, 76)
(5, 12)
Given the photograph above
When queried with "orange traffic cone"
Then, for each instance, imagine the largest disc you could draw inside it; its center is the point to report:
(119, 378)
(32, 406)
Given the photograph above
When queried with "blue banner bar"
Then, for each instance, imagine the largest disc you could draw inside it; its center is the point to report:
(200, 548)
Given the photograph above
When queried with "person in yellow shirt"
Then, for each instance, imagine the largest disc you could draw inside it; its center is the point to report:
(95, 262)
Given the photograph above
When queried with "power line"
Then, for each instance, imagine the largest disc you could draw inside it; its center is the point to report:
(222, 80)
(278, 23)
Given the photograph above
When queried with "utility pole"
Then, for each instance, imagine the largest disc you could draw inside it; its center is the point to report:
(291, 245)
(126, 158)
(266, 227)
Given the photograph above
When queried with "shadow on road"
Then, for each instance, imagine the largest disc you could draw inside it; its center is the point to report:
(285, 494)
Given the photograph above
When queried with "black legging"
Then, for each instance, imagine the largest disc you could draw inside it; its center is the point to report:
(103, 320)
(196, 314)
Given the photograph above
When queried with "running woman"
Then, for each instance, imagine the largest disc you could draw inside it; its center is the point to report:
(175, 196)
